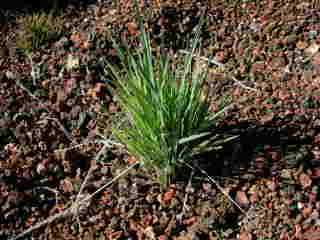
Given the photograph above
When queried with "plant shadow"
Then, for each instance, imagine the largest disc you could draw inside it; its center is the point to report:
(259, 151)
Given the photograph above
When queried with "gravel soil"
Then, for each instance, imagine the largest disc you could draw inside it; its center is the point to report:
(54, 109)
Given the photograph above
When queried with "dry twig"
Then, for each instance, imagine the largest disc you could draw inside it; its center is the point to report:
(211, 179)
(221, 65)
(73, 210)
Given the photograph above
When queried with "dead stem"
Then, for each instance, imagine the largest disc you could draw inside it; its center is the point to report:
(74, 208)
(221, 65)
(64, 214)
(180, 216)
(211, 179)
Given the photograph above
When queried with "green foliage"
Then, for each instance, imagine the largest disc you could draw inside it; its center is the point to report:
(37, 31)
(167, 109)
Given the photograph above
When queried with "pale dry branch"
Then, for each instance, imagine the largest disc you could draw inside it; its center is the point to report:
(73, 210)
(83, 185)
(64, 214)
(19, 84)
(221, 65)
(189, 185)
(56, 192)
(211, 179)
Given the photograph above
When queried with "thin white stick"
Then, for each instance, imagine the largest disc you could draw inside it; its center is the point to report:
(112, 181)
(219, 64)
(35, 72)
(102, 150)
(213, 61)
(180, 216)
(217, 184)
(72, 147)
(107, 142)
(242, 85)
(56, 192)
(19, 84)
(73, 209)
(63, 214)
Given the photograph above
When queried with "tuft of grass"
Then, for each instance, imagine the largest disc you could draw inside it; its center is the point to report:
(166, 106)
(37, 30)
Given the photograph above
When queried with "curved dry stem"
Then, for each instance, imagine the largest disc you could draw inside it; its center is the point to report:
(74, 208)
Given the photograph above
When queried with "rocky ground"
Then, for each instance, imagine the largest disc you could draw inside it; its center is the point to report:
(54, 109)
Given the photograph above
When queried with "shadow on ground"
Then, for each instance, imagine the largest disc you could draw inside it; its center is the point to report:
(258, 151)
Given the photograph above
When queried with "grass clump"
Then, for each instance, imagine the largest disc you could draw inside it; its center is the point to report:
(37, 30)
(167, 109)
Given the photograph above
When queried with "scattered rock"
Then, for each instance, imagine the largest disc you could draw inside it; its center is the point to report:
(67, 186)
(245, 236)
(242, 199)
(312, 49)
(305, 180)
